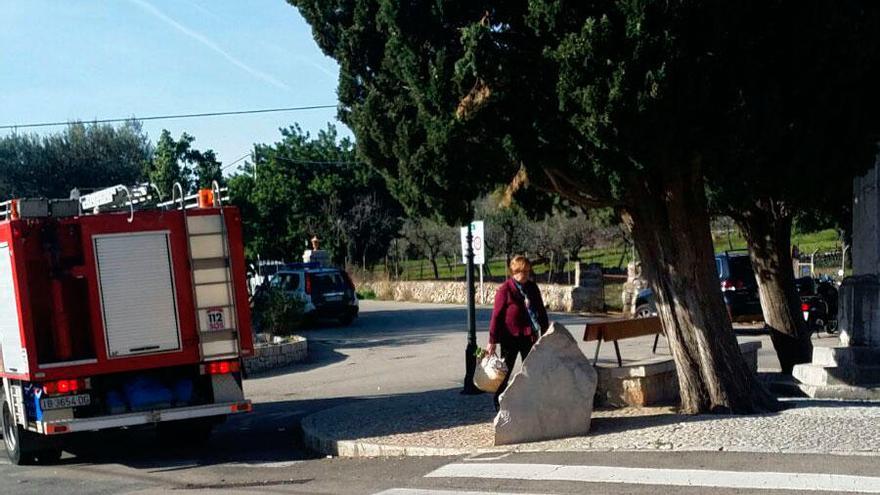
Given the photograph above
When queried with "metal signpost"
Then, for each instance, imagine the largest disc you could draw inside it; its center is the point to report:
(473, 249)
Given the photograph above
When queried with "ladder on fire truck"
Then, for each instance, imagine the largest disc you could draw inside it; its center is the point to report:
(211, 275)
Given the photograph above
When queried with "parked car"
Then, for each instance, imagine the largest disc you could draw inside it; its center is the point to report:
(327, 292)
(738, 287)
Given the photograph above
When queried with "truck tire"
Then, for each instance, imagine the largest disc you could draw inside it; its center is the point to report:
(19, 442)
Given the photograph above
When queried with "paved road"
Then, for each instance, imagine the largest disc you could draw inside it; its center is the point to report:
(394, 348)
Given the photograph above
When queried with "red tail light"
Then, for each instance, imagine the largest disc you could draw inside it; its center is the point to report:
(308, 283)
(222, 367)
(64, 386)
(727, 285)
(805, 306)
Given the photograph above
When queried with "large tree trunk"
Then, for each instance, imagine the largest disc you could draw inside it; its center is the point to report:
(669, 223)
(768, 232)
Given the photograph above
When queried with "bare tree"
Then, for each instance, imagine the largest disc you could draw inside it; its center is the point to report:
(429, 237)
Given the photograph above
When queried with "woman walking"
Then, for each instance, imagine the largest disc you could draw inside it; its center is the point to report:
(518, 317)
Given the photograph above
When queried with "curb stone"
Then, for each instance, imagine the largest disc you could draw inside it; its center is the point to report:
(322, 430)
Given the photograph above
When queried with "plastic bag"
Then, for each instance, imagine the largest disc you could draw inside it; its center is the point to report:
(490, 372)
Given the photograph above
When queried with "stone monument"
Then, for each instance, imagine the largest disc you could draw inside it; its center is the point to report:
(852, 369)
(552, 395)
(588, 293)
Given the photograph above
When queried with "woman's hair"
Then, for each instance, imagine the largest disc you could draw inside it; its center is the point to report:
(519, 263)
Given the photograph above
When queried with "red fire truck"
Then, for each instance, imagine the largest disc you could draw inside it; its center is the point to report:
(116, 311)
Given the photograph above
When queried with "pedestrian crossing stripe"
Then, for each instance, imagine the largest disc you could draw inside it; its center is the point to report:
(837, 483)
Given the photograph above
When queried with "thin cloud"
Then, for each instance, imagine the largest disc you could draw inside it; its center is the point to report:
(144, 4)
(316, 65)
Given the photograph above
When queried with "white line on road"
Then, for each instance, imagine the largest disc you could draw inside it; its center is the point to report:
(666, 477)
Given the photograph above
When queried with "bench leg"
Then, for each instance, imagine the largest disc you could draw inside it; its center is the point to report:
(596, 356)
(617, 351)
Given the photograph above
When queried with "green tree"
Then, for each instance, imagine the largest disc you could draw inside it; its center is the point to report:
(207, 169)
(618, 104)
(81, 156)
(170, 164)
(800, 126)
(177, 161)
(302, 186)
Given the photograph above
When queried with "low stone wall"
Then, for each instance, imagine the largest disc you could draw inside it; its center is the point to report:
(652, 381)
(270, 356)
(556, 297)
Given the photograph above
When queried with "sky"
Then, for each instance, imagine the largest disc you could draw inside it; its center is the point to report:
(100, 59)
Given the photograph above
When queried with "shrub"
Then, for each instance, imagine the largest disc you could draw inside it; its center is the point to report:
(366, 294)
(279, 313)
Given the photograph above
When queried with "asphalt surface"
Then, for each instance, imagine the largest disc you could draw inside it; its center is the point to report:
(394, 348)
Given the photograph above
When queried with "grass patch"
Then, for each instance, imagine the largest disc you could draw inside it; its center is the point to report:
(368, 294)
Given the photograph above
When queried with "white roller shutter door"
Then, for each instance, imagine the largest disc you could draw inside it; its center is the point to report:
(138, 296)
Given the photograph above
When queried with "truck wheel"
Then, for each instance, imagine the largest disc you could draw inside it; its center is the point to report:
(17, 440)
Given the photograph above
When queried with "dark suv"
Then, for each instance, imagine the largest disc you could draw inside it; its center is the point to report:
(738, 287)
(326, 292)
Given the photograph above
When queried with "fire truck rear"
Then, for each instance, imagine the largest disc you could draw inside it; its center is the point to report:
(116, 311)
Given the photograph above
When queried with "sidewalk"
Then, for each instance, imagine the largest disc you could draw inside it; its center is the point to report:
(443, 422)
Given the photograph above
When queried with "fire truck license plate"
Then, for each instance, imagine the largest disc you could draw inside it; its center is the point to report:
(65, 401)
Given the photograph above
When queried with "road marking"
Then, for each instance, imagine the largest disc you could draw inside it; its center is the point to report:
(412, 491)
(257, 464)
(666, 477)
(484, 457)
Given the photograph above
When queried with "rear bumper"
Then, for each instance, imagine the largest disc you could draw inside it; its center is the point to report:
(142, 418)
(743, 305)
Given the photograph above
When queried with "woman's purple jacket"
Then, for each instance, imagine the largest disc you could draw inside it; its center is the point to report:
(509, 315)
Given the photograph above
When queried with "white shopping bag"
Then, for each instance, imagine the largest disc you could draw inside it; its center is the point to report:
(490, 372)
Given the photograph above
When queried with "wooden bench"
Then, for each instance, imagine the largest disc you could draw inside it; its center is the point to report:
(619, 329)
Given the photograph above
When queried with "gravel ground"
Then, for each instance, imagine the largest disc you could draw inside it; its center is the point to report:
(445, 419)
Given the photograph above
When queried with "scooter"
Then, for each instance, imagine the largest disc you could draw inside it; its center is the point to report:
(819, 298)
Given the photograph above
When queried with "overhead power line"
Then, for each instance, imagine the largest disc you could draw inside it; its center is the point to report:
(293, 160)
(170, 117)
(235, 161)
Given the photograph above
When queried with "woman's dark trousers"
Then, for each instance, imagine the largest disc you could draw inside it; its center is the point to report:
(511, 347)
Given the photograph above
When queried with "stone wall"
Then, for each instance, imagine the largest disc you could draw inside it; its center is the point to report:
(270, 356)
(556, 297)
